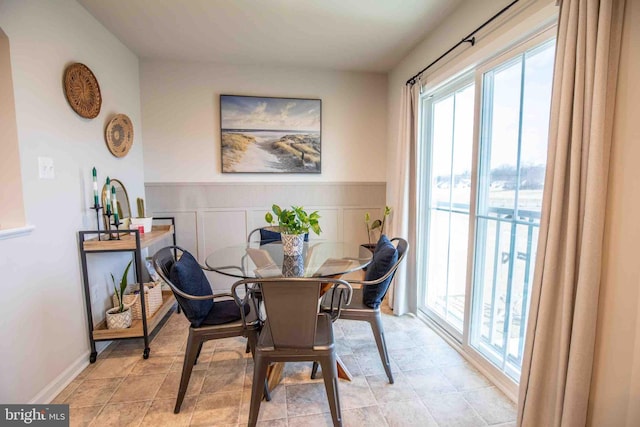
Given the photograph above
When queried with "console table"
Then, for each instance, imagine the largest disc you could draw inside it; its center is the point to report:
(130, 241)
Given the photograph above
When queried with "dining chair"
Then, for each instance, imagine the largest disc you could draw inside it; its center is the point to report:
(212, 316)
(295, 331)
(365, 302)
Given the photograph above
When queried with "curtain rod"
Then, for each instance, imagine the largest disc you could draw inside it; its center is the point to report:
(468, 39)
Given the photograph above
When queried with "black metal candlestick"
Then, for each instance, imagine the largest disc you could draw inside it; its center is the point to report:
(97, 207)
(108, 214)
(116, 224)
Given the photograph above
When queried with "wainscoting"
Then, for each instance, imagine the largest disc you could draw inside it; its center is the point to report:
(210, 216)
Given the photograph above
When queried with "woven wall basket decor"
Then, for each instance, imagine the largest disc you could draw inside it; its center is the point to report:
(82, 90)
(119, 135)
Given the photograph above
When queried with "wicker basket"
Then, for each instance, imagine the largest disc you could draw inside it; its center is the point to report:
(152, 295)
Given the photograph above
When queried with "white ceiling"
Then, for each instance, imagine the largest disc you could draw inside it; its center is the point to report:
(364, 35)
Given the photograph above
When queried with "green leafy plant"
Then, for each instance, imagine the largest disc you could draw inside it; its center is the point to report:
(140, 203)
(123, 287)
(295, 220)
(377, 224)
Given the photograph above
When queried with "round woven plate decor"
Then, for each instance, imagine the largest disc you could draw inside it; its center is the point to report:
(119, 135)
(82, 90)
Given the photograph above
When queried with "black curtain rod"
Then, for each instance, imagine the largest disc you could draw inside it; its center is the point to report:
(468, 39)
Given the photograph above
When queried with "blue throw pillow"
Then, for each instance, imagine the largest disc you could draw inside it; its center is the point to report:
(187, 275)
(384, 257)
(268, 236)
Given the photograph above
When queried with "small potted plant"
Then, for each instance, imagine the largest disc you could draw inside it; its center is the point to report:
(119, 317)
(294, 223)
(377, 224)
(146, 222)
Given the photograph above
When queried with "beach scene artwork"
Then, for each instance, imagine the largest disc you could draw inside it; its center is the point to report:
(270, 135)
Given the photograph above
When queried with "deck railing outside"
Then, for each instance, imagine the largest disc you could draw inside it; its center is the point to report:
(506, 243)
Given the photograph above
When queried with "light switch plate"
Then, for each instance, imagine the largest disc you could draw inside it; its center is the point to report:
(45, 168)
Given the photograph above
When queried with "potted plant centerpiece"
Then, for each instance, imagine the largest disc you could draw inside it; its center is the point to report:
(146, 222)
(294, 223)
(119, 317)
(377, 224)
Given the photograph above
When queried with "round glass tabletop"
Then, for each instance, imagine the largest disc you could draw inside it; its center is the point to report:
(319, 259)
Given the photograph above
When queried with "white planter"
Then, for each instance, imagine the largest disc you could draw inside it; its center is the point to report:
(146, 222)
(117, 320)
(292, 244)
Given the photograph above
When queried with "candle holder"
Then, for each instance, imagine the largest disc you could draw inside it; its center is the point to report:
(108, 214)
(116, 224)
(97, 208)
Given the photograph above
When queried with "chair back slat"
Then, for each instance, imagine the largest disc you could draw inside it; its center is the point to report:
(402, 247)
(292, 312)
(291, 306)
(164, 260)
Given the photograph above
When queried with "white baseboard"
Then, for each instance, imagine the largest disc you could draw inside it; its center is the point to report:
(51, 390)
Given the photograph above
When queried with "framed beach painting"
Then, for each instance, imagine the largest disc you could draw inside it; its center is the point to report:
(270, 135)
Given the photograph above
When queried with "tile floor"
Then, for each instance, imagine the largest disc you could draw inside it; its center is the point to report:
(434, 385)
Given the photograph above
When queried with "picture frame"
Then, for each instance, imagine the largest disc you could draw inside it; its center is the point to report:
(261, 134)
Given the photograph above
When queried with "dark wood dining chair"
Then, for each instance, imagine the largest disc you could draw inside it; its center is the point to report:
(295, 331)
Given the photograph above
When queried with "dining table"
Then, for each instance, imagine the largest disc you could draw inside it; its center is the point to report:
(318, 259)
(321, 259)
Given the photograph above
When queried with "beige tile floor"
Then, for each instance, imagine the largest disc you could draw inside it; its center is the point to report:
(434, 385)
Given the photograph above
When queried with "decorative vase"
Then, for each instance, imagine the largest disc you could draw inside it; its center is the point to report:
(116, 320)
(292, 244)
(293, 266)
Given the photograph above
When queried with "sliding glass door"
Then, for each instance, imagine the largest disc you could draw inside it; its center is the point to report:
(480, 229)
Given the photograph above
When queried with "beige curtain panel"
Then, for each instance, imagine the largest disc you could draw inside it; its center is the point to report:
(556, 373)
(403, 295)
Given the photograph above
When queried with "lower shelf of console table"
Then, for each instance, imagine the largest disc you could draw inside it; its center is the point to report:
(101, 333)
(136, 330)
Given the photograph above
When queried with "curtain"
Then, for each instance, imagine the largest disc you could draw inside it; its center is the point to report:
(558, 357)
(403, 296)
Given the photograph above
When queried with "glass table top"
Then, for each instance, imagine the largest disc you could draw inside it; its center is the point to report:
(319, 259)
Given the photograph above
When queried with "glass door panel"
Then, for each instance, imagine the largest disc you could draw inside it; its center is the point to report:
(513, 148)
(449, 159)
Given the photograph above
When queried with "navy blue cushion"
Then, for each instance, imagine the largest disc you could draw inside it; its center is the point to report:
(187, 275)
(268, 236)
(384, 257)
(224, 312)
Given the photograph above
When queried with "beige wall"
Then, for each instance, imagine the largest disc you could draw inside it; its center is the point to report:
(615, 391)
(181, 119)
(11, 207)
(43, 332)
